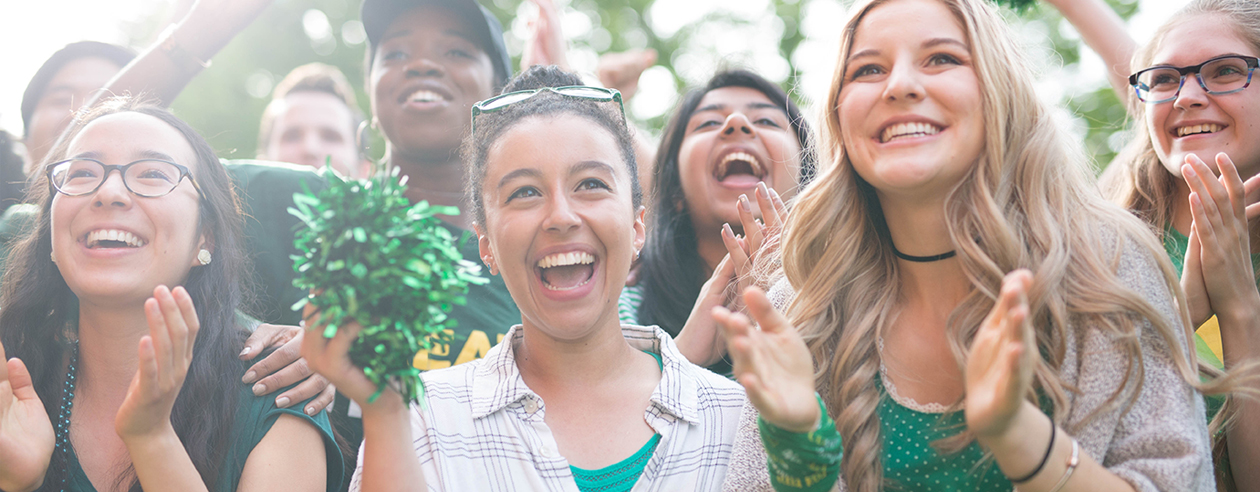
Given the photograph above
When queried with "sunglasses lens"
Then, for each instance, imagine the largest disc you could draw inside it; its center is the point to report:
(506, 100)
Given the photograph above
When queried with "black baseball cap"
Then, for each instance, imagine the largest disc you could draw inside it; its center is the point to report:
(119, 55)
(377, 15)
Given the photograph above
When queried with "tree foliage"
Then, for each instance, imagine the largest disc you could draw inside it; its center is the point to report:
(226, 101)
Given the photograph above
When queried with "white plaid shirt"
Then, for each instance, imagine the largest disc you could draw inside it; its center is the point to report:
(482, 429)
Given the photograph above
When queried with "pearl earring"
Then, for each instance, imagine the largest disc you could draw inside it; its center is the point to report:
(203, 256)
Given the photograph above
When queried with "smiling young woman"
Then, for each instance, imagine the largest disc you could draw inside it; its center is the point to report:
(966, 292)
(572, 399)
(123, 382)
(723, 142)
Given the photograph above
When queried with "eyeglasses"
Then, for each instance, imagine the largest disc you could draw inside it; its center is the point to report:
(501, 101)
(1220, 75)
(146, 177)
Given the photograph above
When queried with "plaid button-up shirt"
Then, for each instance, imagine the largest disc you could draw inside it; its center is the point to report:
(482, 429)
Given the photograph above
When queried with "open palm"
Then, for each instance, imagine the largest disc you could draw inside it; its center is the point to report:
(26, 433)
(1000, 365)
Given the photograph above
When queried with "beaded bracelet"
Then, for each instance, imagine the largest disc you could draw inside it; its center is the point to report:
(1044, 459)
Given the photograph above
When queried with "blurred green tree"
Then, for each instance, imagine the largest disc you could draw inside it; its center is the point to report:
(226, 101)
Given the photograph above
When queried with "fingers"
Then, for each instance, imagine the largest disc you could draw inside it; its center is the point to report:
(769, 209)
(311, 387)
(779, 206)
(159, 334)
(267, 335)
(150, 370)
(1233, 184)
(752, 228)
(273, 368)
(1202, 225)
(1201, 181)
(768, 318)
(735, 251)
(1251, 191)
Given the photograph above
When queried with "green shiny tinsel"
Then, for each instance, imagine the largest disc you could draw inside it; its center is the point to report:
(380, 261)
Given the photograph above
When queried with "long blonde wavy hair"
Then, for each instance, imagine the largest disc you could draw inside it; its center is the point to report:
(1137, 180)
(1028, 202)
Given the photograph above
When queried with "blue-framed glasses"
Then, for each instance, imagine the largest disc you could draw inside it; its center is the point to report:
(145, 177)
(1220, 75)
(502, 101)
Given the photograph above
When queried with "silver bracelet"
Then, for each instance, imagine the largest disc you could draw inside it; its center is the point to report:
(1071, 466)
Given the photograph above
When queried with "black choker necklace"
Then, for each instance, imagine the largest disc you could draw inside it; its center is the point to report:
(923, 259)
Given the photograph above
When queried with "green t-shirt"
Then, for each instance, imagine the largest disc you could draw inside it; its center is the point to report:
(254, 417)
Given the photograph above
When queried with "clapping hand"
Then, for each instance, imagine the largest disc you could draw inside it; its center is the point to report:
(1217, 276)
(1000, 364)
(165, 354)
(759, 238)
(772, 362)
(26, 433)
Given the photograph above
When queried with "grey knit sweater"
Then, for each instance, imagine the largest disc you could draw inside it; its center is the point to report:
(1160, 444)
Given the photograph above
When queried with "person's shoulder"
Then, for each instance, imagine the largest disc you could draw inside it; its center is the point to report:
(251, 172)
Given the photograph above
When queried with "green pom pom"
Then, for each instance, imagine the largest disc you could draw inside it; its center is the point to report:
(382, 262)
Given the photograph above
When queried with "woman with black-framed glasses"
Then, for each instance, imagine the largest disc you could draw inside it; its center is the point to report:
(1191, 172)
(120, 309)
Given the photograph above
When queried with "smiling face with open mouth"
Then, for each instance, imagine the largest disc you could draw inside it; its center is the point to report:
(427, 73)
(1197, 122)
(560, 224)
(910, 109)
(735, 139)
(112, 245)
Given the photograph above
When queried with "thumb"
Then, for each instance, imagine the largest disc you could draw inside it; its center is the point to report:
(20, 379)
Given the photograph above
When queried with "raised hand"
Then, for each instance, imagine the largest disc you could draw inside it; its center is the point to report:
(1000, 364)
(285, 367)
(621, 70)
(772, 363)
(700, 340)
(165, 354)
(546, 44)
(760, 237)
(1218, 275)
(26, 433)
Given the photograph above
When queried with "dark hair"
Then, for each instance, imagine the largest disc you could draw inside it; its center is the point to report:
(12, 180)
(71, 52)
(311, 77)
(491, 126)
(39, 315)
(672, 271)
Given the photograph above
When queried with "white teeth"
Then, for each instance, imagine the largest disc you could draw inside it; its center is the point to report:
(426, 96)
(552, 287)
(752, 161)
(566, 259)
(94, 238)
(913, 129)
(1193, 129)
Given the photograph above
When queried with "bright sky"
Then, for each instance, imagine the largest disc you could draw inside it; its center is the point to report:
(32, 30)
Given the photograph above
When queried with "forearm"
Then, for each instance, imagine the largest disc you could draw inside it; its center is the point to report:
(1023, 446)
(1239, 333)
(162, 463)
(1105, 33)
(802, 462)
(389, 458)
(166, 68)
